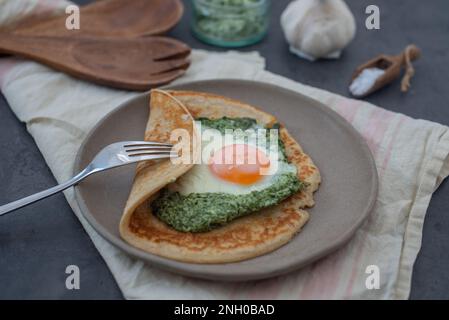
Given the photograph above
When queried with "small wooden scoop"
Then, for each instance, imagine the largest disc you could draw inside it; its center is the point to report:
(132, 63)
(112, 18)
(392, 66)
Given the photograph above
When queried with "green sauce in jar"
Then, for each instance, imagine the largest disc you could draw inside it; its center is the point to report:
(230, 23)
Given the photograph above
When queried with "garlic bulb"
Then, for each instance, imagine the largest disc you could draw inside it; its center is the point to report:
(318, 28)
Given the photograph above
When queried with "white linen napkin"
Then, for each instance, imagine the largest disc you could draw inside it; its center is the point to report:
(412, 157)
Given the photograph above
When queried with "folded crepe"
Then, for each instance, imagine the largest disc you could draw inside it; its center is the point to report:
(246, 237)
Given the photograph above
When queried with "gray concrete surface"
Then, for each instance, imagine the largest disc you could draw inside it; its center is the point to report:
(38, 242)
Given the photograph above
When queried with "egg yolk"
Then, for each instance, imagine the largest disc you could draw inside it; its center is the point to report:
(239, 163)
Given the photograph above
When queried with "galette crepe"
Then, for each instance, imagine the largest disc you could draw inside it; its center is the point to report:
(221, 207)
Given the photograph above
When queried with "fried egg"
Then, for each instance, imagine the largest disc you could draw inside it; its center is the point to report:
(233, 166)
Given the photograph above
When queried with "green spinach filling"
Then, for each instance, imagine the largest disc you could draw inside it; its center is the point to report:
(226, 123)
(200, 212)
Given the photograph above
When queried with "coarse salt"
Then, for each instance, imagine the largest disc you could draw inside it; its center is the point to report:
(365, 81)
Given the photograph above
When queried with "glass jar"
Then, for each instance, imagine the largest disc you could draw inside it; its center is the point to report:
(230, 23)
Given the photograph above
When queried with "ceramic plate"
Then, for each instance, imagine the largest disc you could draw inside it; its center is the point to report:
(344, 200)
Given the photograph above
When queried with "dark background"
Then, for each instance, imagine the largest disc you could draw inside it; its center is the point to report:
(39, 241)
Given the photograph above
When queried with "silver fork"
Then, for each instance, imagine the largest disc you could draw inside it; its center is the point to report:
(111, 156)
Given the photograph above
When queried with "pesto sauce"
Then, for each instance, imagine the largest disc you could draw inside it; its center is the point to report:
(199, 212)
(230, 19)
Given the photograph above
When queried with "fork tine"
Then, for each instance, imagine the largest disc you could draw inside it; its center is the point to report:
(130, 144)
(173, 54)
(163, 78)
(163, 66)
(149, 148)
(152, 152)
(153, 157)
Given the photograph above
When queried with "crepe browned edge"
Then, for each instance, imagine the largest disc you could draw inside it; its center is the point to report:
(245, 237)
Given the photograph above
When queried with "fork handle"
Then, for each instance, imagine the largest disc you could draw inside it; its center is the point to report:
(43, 194)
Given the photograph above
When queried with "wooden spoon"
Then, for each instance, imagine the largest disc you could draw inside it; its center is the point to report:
(392, 66)
(112, 18)
(131, 63)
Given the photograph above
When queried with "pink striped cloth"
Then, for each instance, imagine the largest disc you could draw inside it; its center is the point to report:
(411, 156)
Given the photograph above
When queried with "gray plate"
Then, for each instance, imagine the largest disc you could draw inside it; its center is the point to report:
(344, 200)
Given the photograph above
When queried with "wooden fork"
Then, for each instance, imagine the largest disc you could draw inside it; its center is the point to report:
(128, 63)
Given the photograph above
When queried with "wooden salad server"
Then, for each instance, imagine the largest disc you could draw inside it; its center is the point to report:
(127, 63)
(112, 18)
(392, 66)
